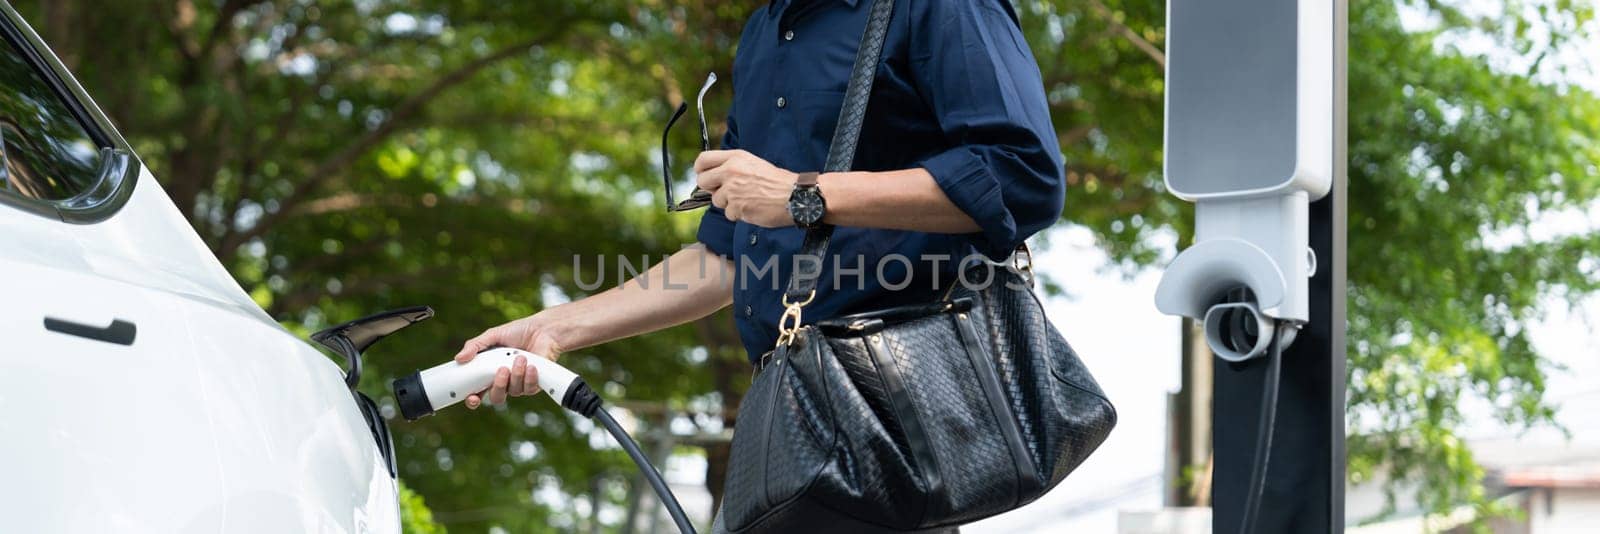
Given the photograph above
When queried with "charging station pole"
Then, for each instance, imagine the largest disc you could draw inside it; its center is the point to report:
(1255, 137)
(1305, 478)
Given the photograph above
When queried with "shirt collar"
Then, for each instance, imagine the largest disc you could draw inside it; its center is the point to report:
(774, 7)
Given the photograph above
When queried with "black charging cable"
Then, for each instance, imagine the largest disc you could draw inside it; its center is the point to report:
(1264, 428)
(585, 402)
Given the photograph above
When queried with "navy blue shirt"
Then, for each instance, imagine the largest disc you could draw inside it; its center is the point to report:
(957, 93)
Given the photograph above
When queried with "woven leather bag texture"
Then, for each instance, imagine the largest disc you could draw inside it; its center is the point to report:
(918, 421)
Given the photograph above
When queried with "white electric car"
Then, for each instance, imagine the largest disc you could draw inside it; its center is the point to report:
(141, 389)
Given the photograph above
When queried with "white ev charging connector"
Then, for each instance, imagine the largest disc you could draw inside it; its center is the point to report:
(427, 391)
(1248, 139)
(446, 384)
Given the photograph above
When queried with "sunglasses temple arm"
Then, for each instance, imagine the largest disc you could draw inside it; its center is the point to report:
(705, 132)
(666, 154)
(700, 109)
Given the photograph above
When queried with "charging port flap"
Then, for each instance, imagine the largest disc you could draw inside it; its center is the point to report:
(352, 338)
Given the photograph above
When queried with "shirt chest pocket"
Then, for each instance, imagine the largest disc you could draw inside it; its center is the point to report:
(816, 116)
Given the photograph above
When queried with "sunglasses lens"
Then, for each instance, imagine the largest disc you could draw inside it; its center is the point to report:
(698, 199)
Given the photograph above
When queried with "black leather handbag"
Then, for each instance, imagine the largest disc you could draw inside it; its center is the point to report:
(914, 418)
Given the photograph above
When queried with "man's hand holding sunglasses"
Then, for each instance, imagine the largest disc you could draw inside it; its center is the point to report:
(746, 187)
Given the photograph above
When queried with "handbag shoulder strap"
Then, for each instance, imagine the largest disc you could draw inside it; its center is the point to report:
(842, 151)
(841, 155)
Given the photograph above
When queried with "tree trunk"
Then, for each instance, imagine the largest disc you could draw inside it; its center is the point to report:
(58, 15)
(1189, 424)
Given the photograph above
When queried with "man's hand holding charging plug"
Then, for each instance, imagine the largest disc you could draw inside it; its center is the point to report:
(532, 334)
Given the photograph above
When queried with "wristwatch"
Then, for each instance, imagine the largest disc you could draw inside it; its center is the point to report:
(805, 202)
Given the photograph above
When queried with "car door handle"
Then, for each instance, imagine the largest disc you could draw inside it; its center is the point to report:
(119, 331)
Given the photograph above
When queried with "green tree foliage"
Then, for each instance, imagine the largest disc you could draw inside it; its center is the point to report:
(1450, 159)
(415, 517)
(347, 157)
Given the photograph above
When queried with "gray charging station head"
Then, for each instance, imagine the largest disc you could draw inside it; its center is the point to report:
(1248, 89)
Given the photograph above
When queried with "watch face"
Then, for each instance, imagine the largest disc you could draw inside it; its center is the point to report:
(806, 206)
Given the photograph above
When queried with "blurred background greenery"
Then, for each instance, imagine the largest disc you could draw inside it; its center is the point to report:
(345, 157)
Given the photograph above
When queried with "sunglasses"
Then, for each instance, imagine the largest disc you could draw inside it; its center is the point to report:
(698, 198)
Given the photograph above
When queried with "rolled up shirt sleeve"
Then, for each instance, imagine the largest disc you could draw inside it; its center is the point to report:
(716, 231)
(1004, 168)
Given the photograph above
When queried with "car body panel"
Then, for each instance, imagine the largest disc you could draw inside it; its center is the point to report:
(90, 444)
(214, 419)
(312, 462)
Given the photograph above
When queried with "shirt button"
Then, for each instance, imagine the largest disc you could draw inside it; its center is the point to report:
(783, 102)
(788, 35)
(748, 311)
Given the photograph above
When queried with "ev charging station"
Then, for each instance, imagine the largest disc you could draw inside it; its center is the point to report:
(1255, 137)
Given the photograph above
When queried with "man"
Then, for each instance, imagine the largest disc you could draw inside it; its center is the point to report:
(957, 156)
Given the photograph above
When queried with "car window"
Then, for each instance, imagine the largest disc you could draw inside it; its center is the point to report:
(47, 153)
